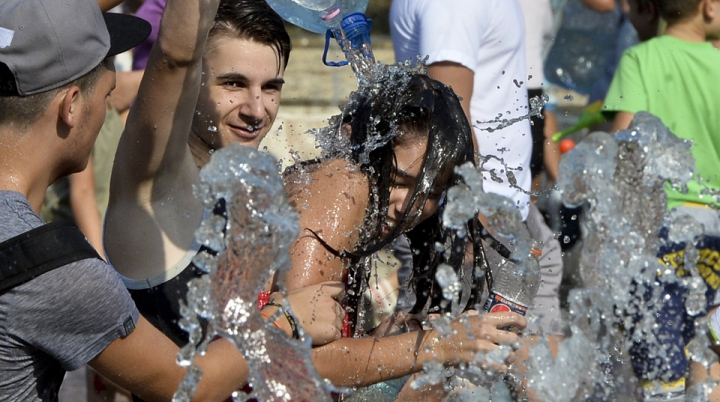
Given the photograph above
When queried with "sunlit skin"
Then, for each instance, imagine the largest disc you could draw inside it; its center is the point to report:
(334, 205)
(239, 97)
(332, 198)
(92, 117)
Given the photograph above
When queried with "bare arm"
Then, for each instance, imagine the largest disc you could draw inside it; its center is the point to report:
(154, 143)
(84, 206)
(126, 89)
(602, 6)
(622, 121)
(144, 363)
(154, 172)
(551, 149)
(368, 360)
(107, 5)
(333, 205)
(460, 79)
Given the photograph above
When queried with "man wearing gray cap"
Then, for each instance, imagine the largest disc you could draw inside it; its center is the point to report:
(55, 76)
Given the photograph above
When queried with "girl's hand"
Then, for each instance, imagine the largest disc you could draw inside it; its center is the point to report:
(318, 311)
(471, 336)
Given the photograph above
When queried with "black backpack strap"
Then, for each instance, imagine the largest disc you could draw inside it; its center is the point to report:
(41, 250)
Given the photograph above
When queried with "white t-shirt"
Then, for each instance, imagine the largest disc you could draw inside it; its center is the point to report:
(538, 32)
(487, 37)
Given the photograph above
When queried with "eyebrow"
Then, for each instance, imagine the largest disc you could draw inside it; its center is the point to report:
(403, 174)
(242, 77)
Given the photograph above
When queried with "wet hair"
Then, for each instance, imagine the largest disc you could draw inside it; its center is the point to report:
(674, 11)
(404, 105)
(23, 111)
(255, 21)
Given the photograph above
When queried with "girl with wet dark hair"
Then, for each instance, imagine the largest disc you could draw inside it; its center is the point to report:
(387, 163)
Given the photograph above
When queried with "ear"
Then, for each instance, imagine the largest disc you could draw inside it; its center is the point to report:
(70, 106)
(709, 9)
(651, 9)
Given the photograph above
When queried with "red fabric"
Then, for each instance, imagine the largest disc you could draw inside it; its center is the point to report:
(263, 299)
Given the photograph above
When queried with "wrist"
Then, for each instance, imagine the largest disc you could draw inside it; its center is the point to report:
(286, 322)
(270, 311)
(429, 349)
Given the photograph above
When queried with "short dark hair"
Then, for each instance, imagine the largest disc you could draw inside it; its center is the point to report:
(673, 11)
(253, 20)
(23, 111)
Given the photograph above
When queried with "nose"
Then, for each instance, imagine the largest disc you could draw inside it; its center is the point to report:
(254, 107)
(399, 198)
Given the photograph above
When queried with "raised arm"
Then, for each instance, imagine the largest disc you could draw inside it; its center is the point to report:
(154, 144)
(152, 213)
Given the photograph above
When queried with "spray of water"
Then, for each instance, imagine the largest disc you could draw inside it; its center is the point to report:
(250, 245)
(622, 180)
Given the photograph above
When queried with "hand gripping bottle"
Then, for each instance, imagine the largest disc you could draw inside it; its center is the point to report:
(514, 284)
(342, 19)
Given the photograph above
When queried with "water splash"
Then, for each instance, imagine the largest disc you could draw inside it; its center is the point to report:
(250, 245)
(536, 105)
(334, 140)
(622, 180)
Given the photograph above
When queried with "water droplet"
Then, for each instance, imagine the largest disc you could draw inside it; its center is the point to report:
(212, 129)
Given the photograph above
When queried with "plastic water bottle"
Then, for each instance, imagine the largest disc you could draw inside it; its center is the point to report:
(342, 19)
(315, 15)
(513, 286)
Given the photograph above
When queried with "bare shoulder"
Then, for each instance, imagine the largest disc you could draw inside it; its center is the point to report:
(331, 197)
(334, 184)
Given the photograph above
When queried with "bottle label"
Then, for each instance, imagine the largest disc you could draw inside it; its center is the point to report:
(656, 390)
(497, 303)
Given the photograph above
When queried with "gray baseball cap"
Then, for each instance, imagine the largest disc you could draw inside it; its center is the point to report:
(45, 44)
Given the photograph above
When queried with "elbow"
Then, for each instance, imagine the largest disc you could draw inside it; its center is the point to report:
(175, 55)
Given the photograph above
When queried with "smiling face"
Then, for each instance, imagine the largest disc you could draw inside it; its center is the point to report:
(407, 175)
(240, 94)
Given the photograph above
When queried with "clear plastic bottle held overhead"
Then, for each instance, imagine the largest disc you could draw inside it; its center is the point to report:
(344, 20)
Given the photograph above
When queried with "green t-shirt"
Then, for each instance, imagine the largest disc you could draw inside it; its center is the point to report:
(679, 82)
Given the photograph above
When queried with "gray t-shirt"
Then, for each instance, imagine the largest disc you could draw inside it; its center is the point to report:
(58, 321)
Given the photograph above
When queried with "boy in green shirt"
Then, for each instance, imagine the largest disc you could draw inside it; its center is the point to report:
(676, 77)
